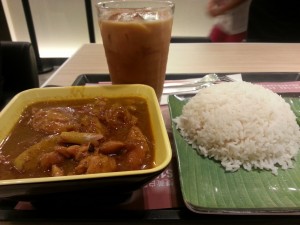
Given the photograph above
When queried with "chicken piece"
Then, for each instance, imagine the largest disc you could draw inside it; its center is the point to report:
(54, 120)
(101, 164)
(64, 151)
(137, 149)
(118, 115)
(76, 152)
(91, 124)
(96, 164)
(56, 171)
(82, 166)
(95, 108)
(111, 147)
(51, 158)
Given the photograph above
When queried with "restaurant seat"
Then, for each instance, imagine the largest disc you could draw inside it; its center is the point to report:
(18, 69)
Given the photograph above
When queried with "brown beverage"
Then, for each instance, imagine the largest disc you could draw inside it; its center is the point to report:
(136, 42)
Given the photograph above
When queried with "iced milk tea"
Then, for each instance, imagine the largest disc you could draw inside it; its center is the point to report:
(136, 45)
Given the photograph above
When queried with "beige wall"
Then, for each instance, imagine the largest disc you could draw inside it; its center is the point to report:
(61, 24)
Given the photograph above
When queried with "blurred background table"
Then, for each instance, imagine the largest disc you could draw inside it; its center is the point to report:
(192, 58)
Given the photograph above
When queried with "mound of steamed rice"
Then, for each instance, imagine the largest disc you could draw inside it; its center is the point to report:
(241, 125)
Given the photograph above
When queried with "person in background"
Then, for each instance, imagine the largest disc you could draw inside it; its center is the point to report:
(231, 20)
(274, 21)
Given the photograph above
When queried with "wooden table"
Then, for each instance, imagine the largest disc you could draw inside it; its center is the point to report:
(192, 58)
(183, 58)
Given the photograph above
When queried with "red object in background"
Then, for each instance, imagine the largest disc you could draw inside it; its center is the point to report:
(217, 35)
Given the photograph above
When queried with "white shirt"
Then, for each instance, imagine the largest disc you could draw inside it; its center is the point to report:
(235, 20)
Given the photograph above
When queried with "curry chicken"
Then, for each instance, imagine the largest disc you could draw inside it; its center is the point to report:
(59, 138)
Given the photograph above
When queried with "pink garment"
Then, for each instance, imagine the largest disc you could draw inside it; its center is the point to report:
(217, 35)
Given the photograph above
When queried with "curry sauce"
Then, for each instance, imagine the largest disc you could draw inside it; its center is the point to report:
(59, 138)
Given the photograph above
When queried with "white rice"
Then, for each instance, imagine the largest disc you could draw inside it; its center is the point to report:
(241, 124)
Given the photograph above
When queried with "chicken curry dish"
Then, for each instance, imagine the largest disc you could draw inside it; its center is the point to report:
(58, 138)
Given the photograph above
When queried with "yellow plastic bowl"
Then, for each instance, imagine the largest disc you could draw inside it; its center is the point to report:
(122, 181)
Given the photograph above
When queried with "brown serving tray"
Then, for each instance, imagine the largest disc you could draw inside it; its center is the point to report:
(85, 211)
(250, 77)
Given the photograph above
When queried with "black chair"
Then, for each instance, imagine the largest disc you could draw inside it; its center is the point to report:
(189, 39)
(18, 69)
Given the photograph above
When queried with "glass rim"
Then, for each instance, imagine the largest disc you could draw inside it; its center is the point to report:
(121, 4)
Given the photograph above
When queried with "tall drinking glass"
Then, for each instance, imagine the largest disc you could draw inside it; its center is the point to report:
(136, 37)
